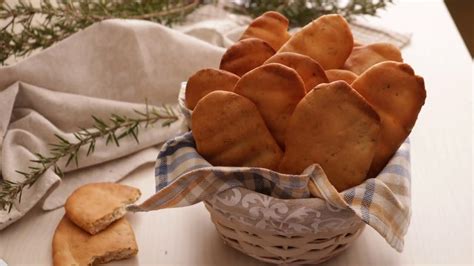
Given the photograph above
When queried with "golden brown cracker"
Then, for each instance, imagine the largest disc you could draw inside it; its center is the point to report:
(328, 40)
(73, 246)
(309, 70)
(271, 27)
(332, 126)
(206, 80)
(340, 74)
(94, 206)
(365, 56)
(276, 90)
(397, 94)
(246, 55)
(229, 131)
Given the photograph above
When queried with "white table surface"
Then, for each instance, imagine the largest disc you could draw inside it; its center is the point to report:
(441, 226)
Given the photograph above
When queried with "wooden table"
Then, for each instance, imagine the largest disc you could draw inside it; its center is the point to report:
(441, 227)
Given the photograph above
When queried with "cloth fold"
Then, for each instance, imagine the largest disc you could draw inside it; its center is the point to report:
(107, 68)
(38, 114)
(184, 177)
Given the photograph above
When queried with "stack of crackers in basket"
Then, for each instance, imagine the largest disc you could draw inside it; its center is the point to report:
(93, 230)
(286, 102)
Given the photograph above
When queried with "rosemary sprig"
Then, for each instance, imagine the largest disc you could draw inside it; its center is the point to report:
(23, 34)
(118, 127)
(301, 12)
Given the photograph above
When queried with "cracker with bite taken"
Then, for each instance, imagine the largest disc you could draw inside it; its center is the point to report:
(94, 206)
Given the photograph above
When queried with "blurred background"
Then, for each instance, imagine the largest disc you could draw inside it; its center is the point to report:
(462, 12)
(172, 12)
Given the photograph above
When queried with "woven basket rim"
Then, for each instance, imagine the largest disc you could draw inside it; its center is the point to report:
(208, 204)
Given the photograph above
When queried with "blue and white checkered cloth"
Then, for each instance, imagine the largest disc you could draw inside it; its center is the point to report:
(184, 178)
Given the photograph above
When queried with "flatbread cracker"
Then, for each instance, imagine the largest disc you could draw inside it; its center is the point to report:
(309, 70)
(94, 206)
(397, 94)
(206, 80)
(365, 56)
(246, 55)
(73, 246)
(332, 126)
(271, 27)
(276, 90)
(229, 131)
(340, 74)
(328, 40)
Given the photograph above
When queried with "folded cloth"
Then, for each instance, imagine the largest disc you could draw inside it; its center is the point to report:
(184, 178)
(104, 69)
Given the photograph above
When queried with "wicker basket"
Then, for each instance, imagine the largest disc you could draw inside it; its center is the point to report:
(283, 249)
(279, 246)
(283, 246)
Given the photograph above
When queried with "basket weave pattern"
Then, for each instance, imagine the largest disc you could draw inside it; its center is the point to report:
(275, 242)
